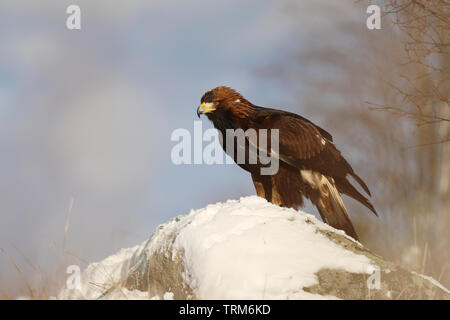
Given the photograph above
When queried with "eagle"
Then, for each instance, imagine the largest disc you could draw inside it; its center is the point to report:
(310, 165)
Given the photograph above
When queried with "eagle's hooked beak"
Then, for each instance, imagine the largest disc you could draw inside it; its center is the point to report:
(206, 107)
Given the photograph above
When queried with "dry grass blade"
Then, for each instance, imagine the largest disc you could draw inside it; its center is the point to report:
(22, 275)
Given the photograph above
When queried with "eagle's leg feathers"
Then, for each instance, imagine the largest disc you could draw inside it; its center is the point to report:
(263, 186)
(266, 188)
(276, 197)
(281, 189)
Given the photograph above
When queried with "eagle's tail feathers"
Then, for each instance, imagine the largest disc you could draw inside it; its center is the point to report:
(344, 186)
(332, 210)
(361, 183)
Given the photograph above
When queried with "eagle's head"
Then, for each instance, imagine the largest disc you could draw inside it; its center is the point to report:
(223, 103)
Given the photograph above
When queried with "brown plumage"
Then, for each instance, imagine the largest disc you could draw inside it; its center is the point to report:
(310, 165)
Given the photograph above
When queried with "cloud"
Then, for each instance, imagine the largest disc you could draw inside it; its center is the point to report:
(104, 139)
(117, 11)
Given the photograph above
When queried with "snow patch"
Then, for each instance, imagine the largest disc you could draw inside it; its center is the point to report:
(252, 249)
(246, 249)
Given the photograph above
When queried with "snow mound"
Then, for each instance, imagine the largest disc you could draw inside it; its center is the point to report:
(246, 249)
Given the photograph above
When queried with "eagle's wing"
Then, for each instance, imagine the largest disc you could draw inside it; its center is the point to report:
(299, 139)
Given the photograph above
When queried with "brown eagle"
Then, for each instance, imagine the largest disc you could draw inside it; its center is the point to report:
(310, 165)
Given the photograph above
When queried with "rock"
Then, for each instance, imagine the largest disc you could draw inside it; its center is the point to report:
(252, 249)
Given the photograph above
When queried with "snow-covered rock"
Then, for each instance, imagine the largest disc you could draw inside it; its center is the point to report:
(249, 249)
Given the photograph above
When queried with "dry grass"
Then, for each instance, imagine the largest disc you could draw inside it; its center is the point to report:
(43, 286)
